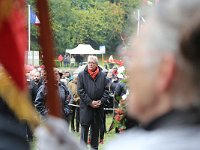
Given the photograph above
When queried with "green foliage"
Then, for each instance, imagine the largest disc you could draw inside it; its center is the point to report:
(95, 22)
(61, 17)
(98, 25)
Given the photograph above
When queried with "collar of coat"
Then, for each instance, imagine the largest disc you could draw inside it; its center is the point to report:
(86, 69)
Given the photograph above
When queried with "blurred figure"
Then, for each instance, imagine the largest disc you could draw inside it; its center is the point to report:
(33, 88)
(67, 76)
(43, 75)
(109, 75)
(65, 60)
(63, 94)
(34, 85)
(119, 86)
(60, 59)
(13, 132)
(31, 74)
(114, 84)
(114, 71)
(164, 80)
(72, 62)
(76, 100)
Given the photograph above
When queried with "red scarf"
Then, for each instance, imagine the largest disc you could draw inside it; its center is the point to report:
(93, 74)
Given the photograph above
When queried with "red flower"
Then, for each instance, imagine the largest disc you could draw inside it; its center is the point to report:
(117, 118)
(119, 111)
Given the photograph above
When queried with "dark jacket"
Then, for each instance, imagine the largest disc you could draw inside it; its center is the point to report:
(120, 89)
(113, 86)
(64, 97)
(12, 132)
(90, 89)
(33, 87)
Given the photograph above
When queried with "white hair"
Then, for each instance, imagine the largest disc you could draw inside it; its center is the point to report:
(168, 21)
(164, 32)
(92, 57)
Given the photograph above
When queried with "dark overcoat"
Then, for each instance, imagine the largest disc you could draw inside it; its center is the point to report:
(90, 89)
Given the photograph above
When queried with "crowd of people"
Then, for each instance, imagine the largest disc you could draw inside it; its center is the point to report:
(163, 88)
(83, 97)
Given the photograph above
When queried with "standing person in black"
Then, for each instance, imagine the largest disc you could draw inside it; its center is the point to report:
(120, 90)
(33, 88)
(64, 95)
(93, 91)
(34, 85)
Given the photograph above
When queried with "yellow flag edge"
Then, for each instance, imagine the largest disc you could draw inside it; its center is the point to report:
(18, 101)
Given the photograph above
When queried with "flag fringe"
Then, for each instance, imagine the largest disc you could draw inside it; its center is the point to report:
(5, 9)
(17, 100)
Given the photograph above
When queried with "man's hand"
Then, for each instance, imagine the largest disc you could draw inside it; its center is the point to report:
(95, 104)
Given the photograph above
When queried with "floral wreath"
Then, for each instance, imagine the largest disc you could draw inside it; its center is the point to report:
(120, 112)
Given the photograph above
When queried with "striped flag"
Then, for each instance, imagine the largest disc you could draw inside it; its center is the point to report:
(13, 41)
(33, 18)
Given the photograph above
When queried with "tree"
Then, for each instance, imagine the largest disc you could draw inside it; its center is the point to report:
(100, 24)
(95, 22)
(61, 17)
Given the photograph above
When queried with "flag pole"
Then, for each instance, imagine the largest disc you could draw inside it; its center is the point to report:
(138, 23)
(47, 45)
(29, 29)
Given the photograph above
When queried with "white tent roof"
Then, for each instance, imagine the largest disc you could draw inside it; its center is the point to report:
(83, 49)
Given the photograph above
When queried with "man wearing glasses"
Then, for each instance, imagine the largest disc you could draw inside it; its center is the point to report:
(93, 91)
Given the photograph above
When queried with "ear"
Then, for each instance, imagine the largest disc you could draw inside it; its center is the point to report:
(165, 73)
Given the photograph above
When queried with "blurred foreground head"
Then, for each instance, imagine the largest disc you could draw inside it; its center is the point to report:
(165, 71)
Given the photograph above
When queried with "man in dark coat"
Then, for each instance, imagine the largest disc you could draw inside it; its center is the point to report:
(93, 91)
(34, 85)
(64, 95)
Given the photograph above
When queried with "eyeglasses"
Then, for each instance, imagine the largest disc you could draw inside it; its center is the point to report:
(92, 63)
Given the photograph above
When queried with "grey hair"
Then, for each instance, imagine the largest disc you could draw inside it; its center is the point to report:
(168, 21)
(167, 26)
(92, 57)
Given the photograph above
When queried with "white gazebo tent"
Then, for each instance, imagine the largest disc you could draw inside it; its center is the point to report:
(83, 49)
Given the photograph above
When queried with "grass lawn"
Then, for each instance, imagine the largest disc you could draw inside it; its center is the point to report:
(107, 137)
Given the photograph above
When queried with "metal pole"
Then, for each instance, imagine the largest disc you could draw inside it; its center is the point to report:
(102, 59)
(29, 29)
(138, 23)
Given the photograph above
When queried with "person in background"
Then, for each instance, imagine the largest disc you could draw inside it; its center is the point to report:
(43, 75)
(31, 74)
(72, 62)
(72, 85)
(34, 85)
(114, 71)
(33, 88)
(63, 94)
(60, 59)
(65, 60)
(119, 86)
(93, 91)
(68, 76)
(164, 80)
(114, 84)
(109, 75)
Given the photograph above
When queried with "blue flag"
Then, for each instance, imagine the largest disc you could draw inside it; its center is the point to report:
(33, 18)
